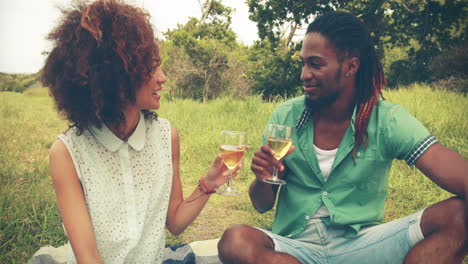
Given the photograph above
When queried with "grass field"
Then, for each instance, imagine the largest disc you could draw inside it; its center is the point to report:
(29, 216)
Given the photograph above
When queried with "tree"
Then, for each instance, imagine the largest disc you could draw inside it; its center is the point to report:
(180, 72)
(206, 8)
(275, 70)
(271, 15)
(206, 45)
(453, 63)
(435, 25)
(237, 81)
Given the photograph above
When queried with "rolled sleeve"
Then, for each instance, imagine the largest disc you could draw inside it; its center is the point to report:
(417, 152)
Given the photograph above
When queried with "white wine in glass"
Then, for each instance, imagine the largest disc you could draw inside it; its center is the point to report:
(232, 147)
(231, 155)
(279, 138)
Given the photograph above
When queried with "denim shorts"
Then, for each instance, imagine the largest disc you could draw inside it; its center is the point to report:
(381, 244)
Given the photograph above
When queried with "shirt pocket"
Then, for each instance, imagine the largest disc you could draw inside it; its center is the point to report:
(371, 173)
(358, 172)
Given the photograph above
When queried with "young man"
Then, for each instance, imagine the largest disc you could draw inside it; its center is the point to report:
(345, 139)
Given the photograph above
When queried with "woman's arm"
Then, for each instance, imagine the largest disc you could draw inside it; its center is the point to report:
(182, 213)
(72, 205)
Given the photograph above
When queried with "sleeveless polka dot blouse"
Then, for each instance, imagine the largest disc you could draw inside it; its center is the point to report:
(127, 187)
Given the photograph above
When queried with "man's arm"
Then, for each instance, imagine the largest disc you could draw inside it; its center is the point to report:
(446, 168)
(263, 195)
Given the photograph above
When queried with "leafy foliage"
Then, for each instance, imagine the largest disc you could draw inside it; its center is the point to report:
(275, 70)
(207, 59)
(208, 54)
(271, 15)
(452, 63)
(17, 82)
(434, 25)
(416, 41)
(198, 55)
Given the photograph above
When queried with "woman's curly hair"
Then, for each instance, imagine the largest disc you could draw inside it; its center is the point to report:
(103, 53)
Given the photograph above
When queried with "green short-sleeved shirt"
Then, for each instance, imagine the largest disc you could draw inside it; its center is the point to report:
(353, 194)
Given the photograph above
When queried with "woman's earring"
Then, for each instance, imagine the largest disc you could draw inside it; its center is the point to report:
(347, 74)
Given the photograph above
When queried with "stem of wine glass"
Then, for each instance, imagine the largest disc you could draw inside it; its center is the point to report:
(228, 183)
(275, 173)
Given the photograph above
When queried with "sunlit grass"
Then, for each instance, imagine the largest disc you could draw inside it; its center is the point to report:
(29, 217)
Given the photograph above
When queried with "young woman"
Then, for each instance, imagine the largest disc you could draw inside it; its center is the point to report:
(116, 170)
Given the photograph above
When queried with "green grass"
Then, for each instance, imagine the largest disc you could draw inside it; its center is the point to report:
(29, 216)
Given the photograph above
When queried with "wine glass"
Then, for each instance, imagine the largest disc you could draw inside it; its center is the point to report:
(232, 147)
(279, 138)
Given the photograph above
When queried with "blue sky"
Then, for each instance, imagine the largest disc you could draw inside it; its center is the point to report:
(24, 25)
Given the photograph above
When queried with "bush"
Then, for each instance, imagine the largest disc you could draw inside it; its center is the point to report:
(452, 84)
(452, 63)
(17, 82)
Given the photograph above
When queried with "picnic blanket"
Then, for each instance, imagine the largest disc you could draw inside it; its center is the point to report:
(198, 252)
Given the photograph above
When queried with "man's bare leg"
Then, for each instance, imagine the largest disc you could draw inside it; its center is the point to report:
(444, 226)
(245, 244)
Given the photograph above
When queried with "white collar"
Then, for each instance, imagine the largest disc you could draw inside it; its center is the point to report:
(112, 143)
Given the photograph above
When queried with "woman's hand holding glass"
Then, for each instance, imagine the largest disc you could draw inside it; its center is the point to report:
(233, 145)
(227, 164)
(218, 173)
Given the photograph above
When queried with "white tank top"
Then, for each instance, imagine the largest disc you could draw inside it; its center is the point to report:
(127, 185)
